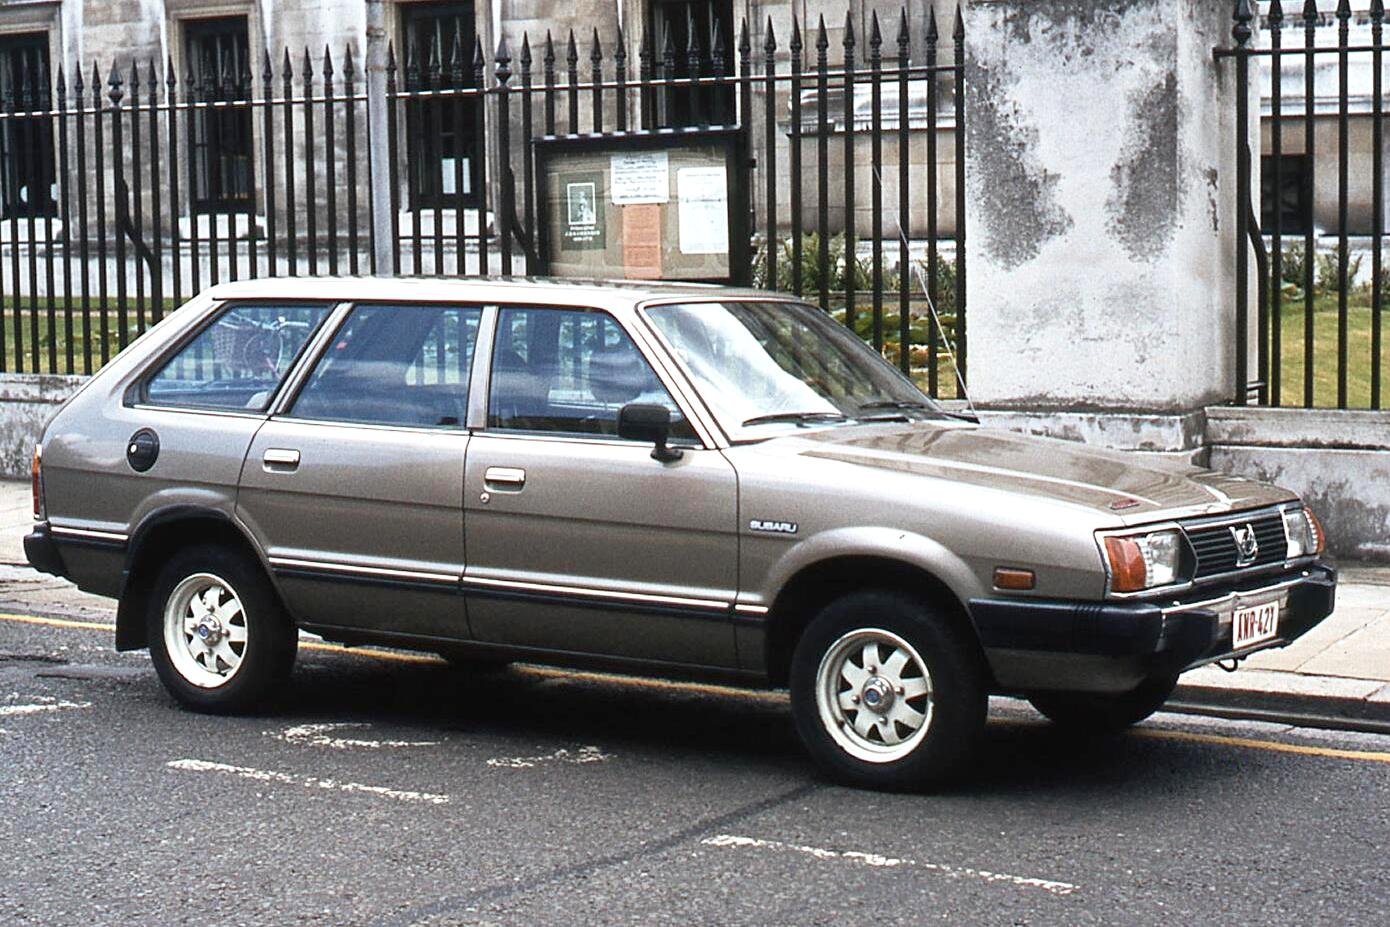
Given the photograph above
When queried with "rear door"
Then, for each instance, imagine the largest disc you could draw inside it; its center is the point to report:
(579, 541)
(355, 489)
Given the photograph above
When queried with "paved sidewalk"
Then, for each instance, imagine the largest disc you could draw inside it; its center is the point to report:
(1341, 669)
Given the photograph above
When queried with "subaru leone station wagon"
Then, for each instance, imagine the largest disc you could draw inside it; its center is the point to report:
(664, 479)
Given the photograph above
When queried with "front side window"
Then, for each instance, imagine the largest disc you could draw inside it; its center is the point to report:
(219, 70)
(26, 143)
(238, 361)
(395, 365)
(570, 371)
(765, 365)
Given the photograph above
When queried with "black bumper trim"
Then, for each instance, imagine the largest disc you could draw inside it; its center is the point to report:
(42, 552)
(1175, 640)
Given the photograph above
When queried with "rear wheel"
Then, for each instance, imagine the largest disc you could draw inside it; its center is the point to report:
(1104, 713)
(886, 692)
(218, 637)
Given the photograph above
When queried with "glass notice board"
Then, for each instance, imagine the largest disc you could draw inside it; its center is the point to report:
(667, 205)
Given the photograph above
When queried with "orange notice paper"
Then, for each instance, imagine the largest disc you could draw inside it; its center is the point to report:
(642, 241)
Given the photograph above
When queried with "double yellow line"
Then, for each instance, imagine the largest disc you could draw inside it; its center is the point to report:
(1273, 746)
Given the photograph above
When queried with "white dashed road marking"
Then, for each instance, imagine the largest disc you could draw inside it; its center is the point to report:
(891, 862)
(10, 711)
(308, 782)
(316, 735)
(578, 757)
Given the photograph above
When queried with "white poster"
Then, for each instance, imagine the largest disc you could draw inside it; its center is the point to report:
(640, 177)
(704, 210)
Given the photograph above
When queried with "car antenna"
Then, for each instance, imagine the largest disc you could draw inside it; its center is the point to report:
(931, 303)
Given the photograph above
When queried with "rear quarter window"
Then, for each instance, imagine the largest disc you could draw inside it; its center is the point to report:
(238, 360)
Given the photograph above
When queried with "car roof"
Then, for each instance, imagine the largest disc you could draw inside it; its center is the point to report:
(598, 294)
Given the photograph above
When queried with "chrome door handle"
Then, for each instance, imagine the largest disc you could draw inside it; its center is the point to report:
(280, 458)
(504, 478)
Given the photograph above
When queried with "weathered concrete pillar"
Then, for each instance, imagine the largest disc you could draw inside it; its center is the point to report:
(1100, 191)
(379, 138)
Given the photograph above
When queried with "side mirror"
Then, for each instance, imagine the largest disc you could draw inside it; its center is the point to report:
(640, 421)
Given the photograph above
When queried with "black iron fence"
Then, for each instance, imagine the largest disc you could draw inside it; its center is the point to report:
(127, 189)
(1317, 242)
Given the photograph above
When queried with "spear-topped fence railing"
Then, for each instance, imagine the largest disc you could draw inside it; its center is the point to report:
(126, 189)
(1318, 248)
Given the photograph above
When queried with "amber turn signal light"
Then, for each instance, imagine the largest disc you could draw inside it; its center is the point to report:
(1006, 578)
(1319, 535)
(1127, 570)
(36, 481)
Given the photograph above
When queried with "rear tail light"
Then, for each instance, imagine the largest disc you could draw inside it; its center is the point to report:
(36, 481)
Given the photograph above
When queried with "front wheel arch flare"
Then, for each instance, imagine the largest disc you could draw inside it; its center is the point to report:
(802, 597)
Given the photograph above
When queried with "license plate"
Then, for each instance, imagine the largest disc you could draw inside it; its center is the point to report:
(1253, 625)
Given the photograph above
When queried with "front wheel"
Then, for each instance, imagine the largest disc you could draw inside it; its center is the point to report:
(1087, 712)
(218, 637)
(887, 693)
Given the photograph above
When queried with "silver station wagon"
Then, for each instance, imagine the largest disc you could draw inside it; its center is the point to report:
(678, 480)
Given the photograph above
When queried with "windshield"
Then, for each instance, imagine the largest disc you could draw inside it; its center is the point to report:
(776, 365)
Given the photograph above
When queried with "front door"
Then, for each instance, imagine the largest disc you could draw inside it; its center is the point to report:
(579, 541)
(355, 491)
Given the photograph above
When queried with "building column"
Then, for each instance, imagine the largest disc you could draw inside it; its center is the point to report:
(1100, 191)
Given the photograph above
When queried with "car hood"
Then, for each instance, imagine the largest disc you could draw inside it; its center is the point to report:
(1123, 486)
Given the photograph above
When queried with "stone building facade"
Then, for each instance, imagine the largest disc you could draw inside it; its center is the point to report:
(198, 38)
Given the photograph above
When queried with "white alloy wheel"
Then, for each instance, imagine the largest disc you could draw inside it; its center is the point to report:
(205, 632)
(874, 695)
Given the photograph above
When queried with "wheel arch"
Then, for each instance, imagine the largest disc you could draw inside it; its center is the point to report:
(158, 535)
(815, 583)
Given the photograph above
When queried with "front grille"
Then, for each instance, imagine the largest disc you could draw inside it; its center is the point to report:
(1215, 545)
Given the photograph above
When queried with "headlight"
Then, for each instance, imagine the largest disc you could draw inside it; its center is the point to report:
(1144, 561)
(1304, 531)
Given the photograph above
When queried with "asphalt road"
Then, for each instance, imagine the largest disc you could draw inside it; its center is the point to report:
(391, 790)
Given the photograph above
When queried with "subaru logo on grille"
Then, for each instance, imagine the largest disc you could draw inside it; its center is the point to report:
(1247, 546)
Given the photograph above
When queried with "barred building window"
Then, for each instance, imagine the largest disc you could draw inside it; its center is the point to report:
(26, 143)
(442, 144)
(1293, 200)
(219, 70)
(674, 25)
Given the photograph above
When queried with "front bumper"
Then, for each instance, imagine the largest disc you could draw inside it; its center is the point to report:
(1114, 646)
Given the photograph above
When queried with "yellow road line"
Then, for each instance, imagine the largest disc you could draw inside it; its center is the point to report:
(546, 672)
(1369, 756)
(369, 652)
(59, 622)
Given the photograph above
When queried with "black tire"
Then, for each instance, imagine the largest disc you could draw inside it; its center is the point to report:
(1088, 712)
(266, 654)
(954, 672)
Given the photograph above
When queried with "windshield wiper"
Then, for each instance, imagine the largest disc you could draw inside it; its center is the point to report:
(897, 404)
(797, 417)
(916, 406)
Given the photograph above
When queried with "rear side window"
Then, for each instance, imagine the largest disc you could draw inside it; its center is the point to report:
(395, 365)
(238, 361)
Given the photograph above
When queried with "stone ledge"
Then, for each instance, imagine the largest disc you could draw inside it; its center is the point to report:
(1328, 429)
(1152, 432)
(50, 388)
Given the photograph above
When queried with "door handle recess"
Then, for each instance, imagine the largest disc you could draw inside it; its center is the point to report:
(280, 458)
(503, 479)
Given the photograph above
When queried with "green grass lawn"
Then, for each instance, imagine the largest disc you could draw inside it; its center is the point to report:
(87, 331)
(1290, 374)
(1325, 374)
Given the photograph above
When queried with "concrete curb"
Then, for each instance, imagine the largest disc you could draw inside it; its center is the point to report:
(1303, 700)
